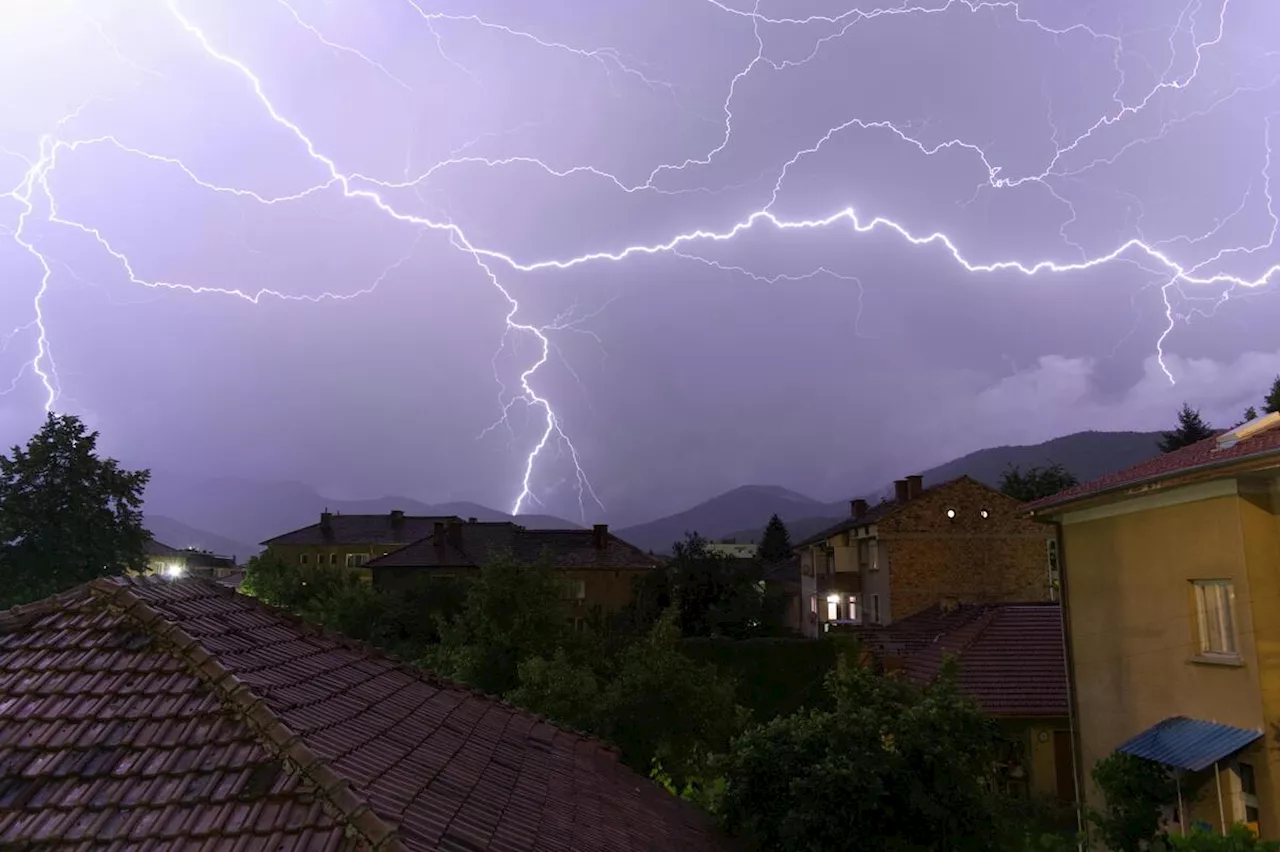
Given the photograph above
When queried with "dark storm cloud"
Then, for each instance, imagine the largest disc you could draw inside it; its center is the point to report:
(823, 359)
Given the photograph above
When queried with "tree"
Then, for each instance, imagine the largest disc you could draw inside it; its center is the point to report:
(1191, 429)
(1037, 482)
(1250, 413)
(775, 544)
(891, 767)
(713, 595)
(66, 516)
(1271, 403)
(1136, 792)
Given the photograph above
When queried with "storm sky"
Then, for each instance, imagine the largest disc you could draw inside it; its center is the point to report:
(277, 236)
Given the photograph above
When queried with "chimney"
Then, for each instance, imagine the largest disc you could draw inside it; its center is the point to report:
(455, 532)
(900, 493)
(858, 507)
(397, 518)
(471, 520)
(326, 525)
(915, 484)
(437, 535)
(600, 536)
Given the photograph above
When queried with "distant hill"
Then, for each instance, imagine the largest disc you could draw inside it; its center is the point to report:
(742, 513)
(721, 516)
(177, 534)
(244, 510)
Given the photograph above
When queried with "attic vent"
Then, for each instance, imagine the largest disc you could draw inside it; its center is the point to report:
(1247, 430)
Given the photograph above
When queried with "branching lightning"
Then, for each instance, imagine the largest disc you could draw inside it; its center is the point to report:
(35, 198)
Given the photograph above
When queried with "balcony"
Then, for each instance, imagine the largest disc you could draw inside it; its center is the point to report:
(840, 583)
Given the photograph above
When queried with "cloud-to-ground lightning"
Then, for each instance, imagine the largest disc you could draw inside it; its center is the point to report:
(35, 197)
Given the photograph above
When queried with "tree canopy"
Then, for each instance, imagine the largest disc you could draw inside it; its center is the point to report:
(1037, 482)
(775, 544)
(66, 516)
(1192, 428)
(1271, 403)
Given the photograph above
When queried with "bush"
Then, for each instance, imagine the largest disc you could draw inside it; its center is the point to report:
(1239, 838)
(1136, 791)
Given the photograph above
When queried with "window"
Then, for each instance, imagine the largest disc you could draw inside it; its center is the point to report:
(864, 555)
(1055, 575)
(333, 559)
(355, 560)
(1214, 600)
(833, 608)
(1249, 793)
(875, 609)
(302, 558)
(853, 607)
(813, 604)
(573, 590)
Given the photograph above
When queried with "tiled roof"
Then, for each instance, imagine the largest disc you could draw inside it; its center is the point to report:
(1184, 460)
(919, 630)
(362, 529)
(473, 544)
(155, 548)
(1010, 656)
(144, 713)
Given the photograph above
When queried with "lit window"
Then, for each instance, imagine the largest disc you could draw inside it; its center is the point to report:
(951, 513)
(1214, 599)
(833, 608)
(355, 560)
(853, 607)
(813, 604)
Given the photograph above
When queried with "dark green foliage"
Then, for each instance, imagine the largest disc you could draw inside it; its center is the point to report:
(713, 595)
(1250, 413)
(774, 676)
(1271, 403)
(1136, 791)
(66, 516)
(775, 544)
(512, 612)
(1036, 483)
(889, 768)
(1239, 838)
(1191, 429)
(403, 620)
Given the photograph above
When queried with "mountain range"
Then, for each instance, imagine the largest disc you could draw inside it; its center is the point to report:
(186, 511)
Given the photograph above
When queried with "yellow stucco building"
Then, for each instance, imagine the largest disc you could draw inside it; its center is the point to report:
(1170, 575)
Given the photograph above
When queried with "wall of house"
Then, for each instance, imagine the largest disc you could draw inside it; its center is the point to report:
(608, 589)
(876, 585)
(334, 554)
(1002, 558)
(1133, 631)
(1259, 507)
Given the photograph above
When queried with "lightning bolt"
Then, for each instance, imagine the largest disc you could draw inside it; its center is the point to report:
(35, 197)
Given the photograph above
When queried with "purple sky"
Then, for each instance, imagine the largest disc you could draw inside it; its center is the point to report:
(816, 357)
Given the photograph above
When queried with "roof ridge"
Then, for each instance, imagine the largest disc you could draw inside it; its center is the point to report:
(969, 632)
(353, 808)
(428, 676)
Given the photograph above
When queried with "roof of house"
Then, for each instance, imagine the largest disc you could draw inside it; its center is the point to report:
(155, 548)
(1010, 657)
(918, 630)
(880, 511)
(361, 529)
(1190, 744)
(146, 713)
(473, 544)
(1208, 453)
(783, 571)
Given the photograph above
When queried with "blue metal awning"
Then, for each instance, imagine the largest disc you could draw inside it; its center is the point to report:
(1189, 744)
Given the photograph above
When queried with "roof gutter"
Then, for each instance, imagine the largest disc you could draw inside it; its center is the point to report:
(1200, 468)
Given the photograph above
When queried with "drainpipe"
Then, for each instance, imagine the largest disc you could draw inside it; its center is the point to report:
(1082, 826)
(1222, 814)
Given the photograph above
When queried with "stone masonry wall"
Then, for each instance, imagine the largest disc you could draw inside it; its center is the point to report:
(1002, 558)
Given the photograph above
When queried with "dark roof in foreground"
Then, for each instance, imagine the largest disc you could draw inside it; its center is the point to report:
(388, 528)
(178, 715)
(1189, 744)
(470, 545)
(1218, 450)
(1010, 656)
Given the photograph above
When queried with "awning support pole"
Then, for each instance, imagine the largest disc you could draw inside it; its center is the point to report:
(1182, 813)
(1222, 814)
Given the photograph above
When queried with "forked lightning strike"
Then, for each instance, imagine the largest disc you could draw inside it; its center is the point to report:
(34, 192)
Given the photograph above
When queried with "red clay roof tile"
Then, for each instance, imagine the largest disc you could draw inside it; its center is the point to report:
(154, 714)
(1010, 658)
(1185, 460)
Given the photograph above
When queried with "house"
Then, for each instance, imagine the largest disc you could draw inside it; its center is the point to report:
(350, 540)
(1170, 579)
(146, 713)
(596, 567)
(172, 562)
(959, 539)
(1012, 664)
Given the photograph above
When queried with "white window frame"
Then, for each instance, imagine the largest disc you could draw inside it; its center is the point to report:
(833, 609)
(855, 608)
(1215, 618)
(356, 560)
